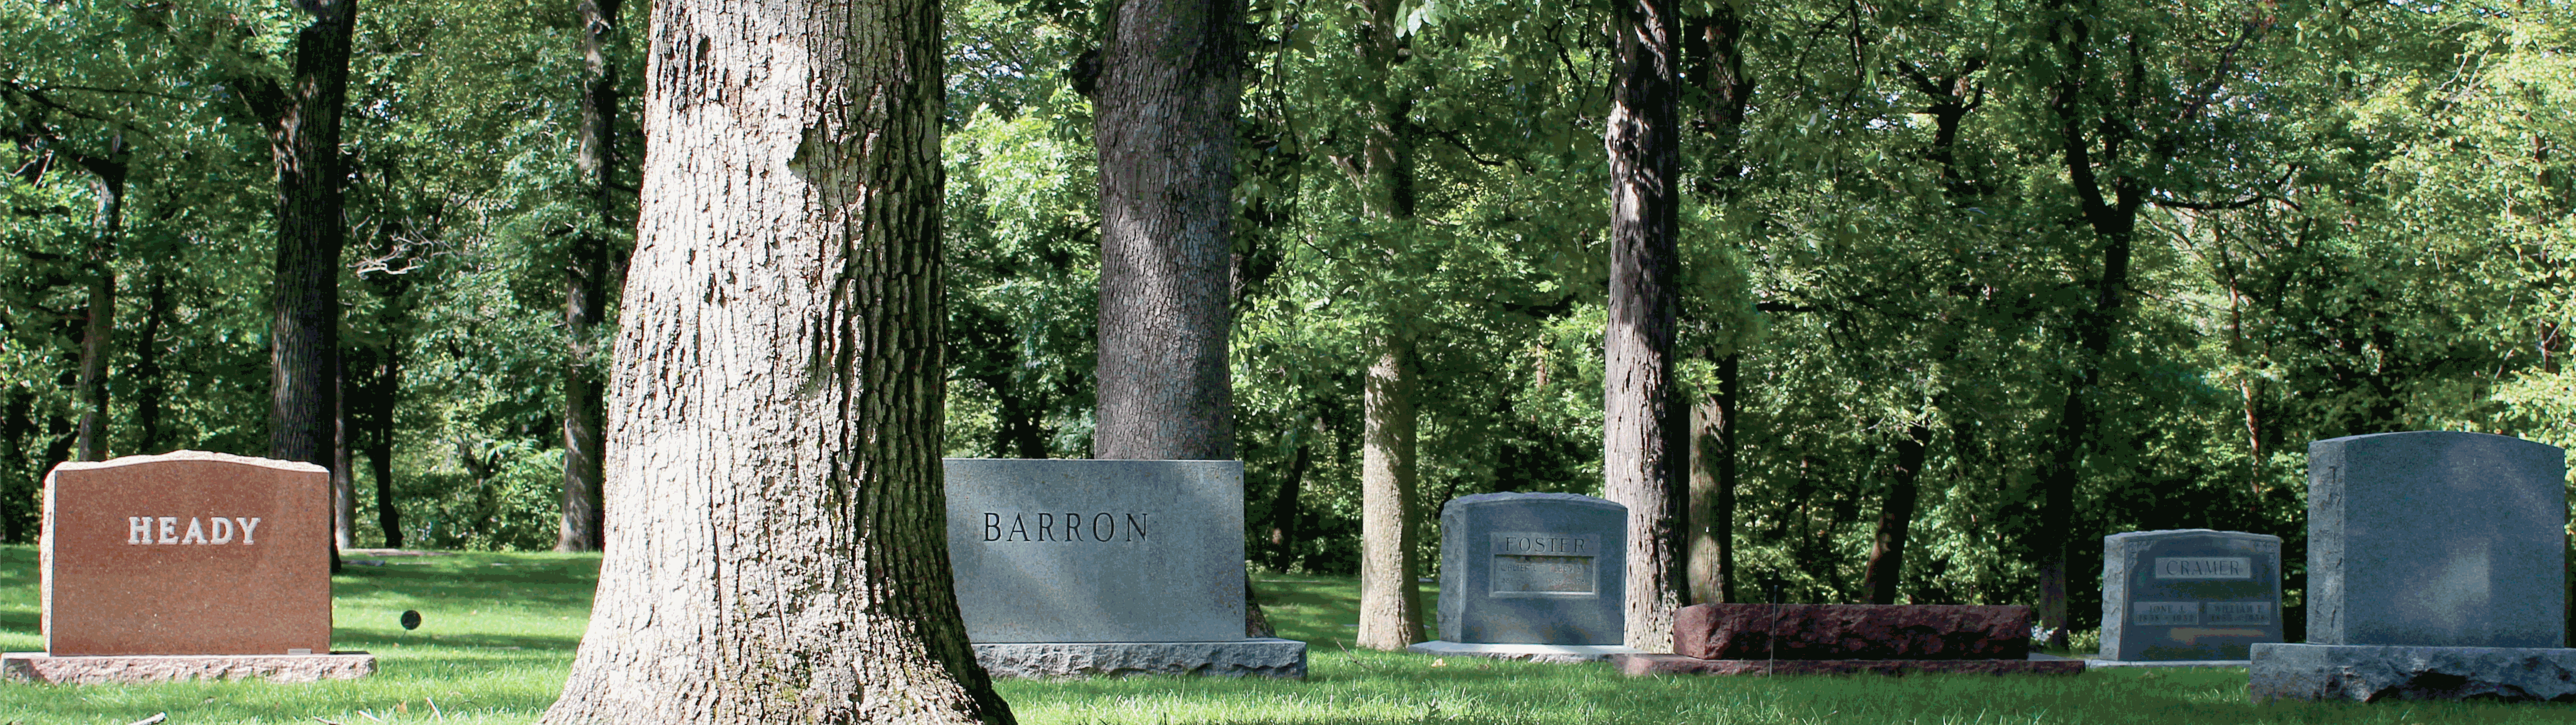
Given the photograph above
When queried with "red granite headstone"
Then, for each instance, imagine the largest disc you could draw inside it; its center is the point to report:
(1852, 631)
(188, 553)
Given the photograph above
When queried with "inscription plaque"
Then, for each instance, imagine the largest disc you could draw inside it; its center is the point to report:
(2204, 567)
(2239, 612)
(1525, 574)
(2167, 613)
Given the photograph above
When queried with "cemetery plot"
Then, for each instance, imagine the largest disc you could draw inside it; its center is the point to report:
(2189, 595)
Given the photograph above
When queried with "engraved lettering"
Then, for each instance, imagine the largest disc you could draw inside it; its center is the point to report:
(992, 526)
(1135, 527)
(1045, 521)
(2204, 567)
(248, 526)
(1019, 528)
(223, 530)
(2239, 612)
(1104, 533)
(2165, 613)
(138, 529)
(169, 529)
(196, 532)
(1072, 526)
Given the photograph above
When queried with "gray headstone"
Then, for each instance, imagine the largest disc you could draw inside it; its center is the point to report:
(2189, 594)
(1065, 551)
(1532, 568)
(2436, 539)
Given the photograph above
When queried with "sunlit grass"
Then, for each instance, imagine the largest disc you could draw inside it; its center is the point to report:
(498, 633)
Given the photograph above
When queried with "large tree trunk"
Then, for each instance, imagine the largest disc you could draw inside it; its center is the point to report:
(587, 281)
(1712, 491)
(101, 325)
(1644, 446)
(776, 547)
(1170, 75)
(1390, 601)
(1895, 514)
(304, 138)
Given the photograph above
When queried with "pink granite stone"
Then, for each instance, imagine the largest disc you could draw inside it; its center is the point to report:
(1660, 664)
(1852, 632)
(188, 553)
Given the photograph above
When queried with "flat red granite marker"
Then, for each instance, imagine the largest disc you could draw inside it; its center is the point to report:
(1852, 632)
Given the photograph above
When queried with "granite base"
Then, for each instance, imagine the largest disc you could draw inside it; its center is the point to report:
(1558, 653)
(1262, 656)
(1658, 664)
(2106, 664)
(2371, 673)
(38, 667)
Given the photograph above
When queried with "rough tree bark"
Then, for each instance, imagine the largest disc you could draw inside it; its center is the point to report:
(1390, 601)
(151, 386)
(1713, 59)
(1644, 445)
(303, 121)
(775, 531)
(587, 280)
(1170, 75)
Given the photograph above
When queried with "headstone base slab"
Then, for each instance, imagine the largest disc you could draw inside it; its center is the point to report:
(2371, 673)
(1556, 653)
(1852, 631)
(2098, 664)
(38, 667)
(1260, 656)
(1638, 665)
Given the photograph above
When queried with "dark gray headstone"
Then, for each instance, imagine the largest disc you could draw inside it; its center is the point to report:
(2436, 539)
(1533, 568)
(2189, 594)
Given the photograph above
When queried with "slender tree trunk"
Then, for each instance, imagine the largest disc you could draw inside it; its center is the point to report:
(1285, 516)
(304, 138)
(1644, 444)
(1391, 612)
(775, 509)
(110, 171)
(151, 385)
(18, 492)
(1887, 548)
(344, 484)
(1390, 602)
(587, 281)
(1170, 75)
(1712, 490)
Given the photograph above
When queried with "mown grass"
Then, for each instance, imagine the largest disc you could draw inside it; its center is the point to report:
(499, 630)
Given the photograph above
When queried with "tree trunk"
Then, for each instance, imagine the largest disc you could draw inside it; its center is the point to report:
(775, 511)
(1887, 547)
(1390, 601)
(344, 484)
(1285, 517)
(1644, 445)
(1712, 491)
(151, 386)
(587, 281)
(1170, 75)
(19, 491)
(101, 325)
(304, 138)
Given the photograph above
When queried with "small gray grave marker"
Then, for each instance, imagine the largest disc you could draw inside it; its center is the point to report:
(1532, 568)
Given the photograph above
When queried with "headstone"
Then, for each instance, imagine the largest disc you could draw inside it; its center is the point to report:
(1100, 567)
(2436, 570)
(1531, 576)
(2189, 595)
(188, 564)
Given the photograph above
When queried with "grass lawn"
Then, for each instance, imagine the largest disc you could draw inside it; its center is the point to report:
(499, 629)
